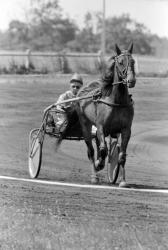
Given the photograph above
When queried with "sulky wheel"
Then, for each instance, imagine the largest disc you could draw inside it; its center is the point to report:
(113, 167)
(35, 152)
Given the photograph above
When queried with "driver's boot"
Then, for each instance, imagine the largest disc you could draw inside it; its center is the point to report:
(62, 132)
(58, 142)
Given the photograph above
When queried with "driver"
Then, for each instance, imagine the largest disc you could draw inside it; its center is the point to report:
(59, 121)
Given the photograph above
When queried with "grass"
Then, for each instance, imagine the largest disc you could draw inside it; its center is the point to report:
(22, 229)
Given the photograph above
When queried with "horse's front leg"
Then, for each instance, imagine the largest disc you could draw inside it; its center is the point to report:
(125, 137)
(102, 152)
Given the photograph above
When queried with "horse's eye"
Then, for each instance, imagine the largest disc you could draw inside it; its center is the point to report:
(132, 62)
(121, 63)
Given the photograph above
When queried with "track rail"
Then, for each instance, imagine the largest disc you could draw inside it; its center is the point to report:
(87, 186)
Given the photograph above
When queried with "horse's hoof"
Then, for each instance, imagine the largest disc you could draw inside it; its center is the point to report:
(98, 166)
(94, 180)
(123, 184)
(97, 163)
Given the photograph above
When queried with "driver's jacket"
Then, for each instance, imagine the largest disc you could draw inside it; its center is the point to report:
(65, 96)
(61, 119)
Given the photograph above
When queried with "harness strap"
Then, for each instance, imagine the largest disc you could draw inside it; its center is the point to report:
(115, 104)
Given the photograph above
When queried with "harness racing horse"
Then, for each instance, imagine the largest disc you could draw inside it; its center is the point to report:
(111, 113)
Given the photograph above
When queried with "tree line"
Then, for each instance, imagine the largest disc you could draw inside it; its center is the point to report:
(48, 30)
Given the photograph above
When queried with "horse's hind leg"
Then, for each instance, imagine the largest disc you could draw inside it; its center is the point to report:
(90, 150)
(125, 137)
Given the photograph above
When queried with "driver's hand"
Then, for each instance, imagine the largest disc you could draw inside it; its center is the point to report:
(67, 108)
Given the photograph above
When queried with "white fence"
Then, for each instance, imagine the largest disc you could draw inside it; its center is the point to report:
(51, 62)
(70, 62)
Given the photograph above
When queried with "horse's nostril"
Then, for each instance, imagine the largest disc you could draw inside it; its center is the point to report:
(131, 81)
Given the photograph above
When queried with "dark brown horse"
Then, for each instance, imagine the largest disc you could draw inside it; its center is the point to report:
(111, 113)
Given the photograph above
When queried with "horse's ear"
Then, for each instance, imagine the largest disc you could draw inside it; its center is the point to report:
(117, 49)
(130, 48)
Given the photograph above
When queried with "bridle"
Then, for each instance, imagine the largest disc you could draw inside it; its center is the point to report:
(122, 74)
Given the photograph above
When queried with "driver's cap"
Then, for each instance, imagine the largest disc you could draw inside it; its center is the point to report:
(76, 78)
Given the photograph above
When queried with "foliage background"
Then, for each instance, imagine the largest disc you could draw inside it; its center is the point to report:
(47, 29)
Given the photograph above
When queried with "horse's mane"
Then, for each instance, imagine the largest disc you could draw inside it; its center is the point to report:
(108, 74)
(104, 84)
(107, 79)
(89, 88)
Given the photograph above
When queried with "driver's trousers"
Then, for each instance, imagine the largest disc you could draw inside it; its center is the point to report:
(59, 120)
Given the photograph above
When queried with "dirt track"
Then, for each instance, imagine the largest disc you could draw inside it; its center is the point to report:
(140, 217)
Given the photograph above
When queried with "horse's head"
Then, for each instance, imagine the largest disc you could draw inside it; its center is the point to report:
(125, 65)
